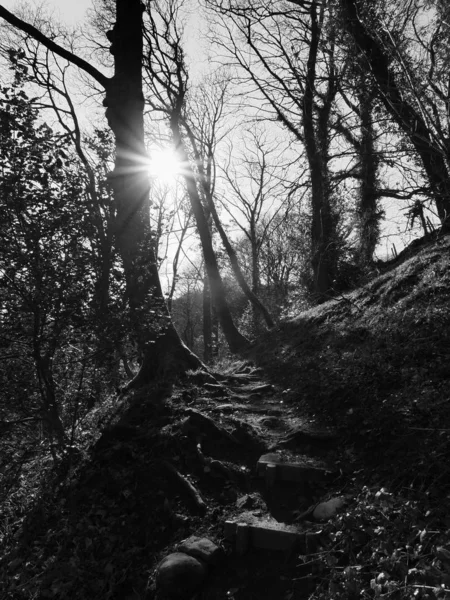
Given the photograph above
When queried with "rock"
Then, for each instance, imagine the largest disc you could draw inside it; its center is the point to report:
(327, 510)
(245, 502)
(178, 576)
(268, 534)
(301, 471)
(201, 548)
(253, 501)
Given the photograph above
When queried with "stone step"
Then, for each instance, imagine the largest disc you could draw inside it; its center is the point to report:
(268, 535)
(275, 467)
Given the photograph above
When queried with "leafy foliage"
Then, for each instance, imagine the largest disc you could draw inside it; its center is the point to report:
(52, 367)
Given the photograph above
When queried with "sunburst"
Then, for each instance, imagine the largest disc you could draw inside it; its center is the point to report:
(164, 165)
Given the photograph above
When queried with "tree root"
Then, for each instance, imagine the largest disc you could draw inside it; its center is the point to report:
(187, 487)
(215, 467)
(165, 357)
(200, 425)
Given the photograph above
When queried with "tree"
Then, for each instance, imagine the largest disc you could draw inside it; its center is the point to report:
(357, 90)
(381, 59)
(256, 191)
(288, 68)
(168, 80)
(159, 344)
(284, 263)
(187, 307)
(202, 132)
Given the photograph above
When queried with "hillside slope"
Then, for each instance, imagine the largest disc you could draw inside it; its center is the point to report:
(376, 362)
(357, 387)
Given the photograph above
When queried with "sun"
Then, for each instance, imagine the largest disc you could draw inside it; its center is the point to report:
(164, 165)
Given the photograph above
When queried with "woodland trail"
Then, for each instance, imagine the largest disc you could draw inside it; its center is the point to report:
(241, 427)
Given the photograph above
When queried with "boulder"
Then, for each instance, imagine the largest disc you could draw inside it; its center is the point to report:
(327, 510)
(201, 548)
(179, 576)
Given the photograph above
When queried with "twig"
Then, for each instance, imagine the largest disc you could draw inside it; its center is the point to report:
(431, 587)
(428, 429)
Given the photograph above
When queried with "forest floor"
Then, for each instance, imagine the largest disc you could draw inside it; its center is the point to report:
(357, 389)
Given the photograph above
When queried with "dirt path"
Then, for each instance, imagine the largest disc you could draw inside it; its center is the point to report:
(239, 425)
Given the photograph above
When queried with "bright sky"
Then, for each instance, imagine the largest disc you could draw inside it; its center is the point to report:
(69, 11)
(73, 11)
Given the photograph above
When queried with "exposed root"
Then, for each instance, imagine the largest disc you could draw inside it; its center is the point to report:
(187, 487)
(166, 357)
(200, 425)
(215, 467)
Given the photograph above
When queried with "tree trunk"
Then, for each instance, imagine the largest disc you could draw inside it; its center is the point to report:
(53, 426)
(215, 333)
(152, 328)
(207, 322)
(368, 211)
(255, 275)
(154, 333)
(322, 223)
(256, 302)
(404, 114)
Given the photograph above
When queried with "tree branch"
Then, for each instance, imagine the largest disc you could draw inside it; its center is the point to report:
(54, 47)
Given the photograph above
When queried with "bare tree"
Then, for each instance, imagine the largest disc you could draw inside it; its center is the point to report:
(257, 191)
(203, 133)
(168, 81)
(285, 58)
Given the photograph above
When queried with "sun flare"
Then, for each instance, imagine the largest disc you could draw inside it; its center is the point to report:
(164, 165)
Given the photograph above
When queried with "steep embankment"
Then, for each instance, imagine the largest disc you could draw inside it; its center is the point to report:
(354, 392)
(376, 364)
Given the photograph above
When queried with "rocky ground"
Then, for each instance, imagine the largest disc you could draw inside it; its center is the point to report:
(317, 466)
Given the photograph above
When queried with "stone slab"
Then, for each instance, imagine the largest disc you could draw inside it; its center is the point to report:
(274, 467)
(266, 535)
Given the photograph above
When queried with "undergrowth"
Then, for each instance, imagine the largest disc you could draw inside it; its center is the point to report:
(385, 545)
(373, 363)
